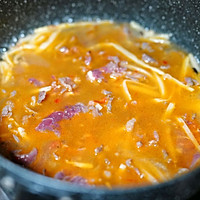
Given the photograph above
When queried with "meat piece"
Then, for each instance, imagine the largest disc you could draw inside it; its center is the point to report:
(107, 173)
(105, 92)
(80, 107)
(88, 60)
(139, 144)
(156, 135)
(148, 59)
(95, 108)
(64, 50)
(114, 70)
(72, 179)
(109, 104)
(67, 83)
(41, 96)
(59, 175)
(25, 119)
(56, 116)
(191, 82)
(7, 110)
(13, 93)
(26, 159)
(111, 67)
(70, 111)
(129, 162)
(115, 59)
(46, 124)
(77, 180)
(95, 111)
(64, 84)
(50, 122)
(35, 82)
(98, 149)
(95, 75)
(130, 124)
(146, 46)
(195, 161)
(164, 67)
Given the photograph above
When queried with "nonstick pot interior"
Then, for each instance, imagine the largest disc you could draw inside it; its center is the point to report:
(180, 17)
(18, 18)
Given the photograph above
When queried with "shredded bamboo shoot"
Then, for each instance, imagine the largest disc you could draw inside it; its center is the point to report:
(160, 100)
(184, 67)
(6, 72)
(138, 69)
(150, 34)
(157, 40)
(160, 84)
(126, 91)
(170, 147)
(149, 177)
(194, 62)
(143, 90)
(151, 171)
(80, 164)
(188, 132)
(169, 110)
(50, 40)
(169, 77)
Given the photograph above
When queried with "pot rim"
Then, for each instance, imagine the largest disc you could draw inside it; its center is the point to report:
(25, 176)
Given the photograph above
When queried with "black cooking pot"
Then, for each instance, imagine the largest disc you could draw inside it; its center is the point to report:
(18, 18)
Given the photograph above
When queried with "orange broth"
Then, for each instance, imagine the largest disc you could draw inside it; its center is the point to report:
(78, 108)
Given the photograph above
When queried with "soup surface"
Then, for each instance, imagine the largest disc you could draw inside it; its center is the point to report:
(100, 103)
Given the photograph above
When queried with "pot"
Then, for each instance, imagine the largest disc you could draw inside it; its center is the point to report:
(18, 18)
